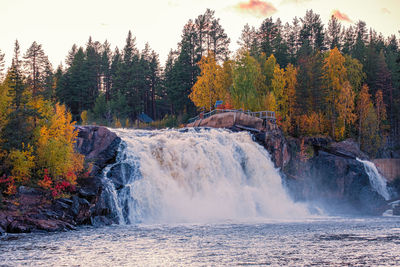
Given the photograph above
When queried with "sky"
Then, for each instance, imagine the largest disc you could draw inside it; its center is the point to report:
(58, 24)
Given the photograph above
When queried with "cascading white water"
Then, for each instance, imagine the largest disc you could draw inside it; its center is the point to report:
(199, 175)
(376, 180)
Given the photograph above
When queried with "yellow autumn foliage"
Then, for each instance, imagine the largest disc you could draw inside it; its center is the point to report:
(84, 117)
(22, 162)
(55, 147)
(209, 86)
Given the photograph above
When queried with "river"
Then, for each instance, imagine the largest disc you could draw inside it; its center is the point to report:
(317, 241)
(206, 198)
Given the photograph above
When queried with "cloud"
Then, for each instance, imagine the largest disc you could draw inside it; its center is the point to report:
(256, 8)
(385, 11)
(341, 16)
(297, 2)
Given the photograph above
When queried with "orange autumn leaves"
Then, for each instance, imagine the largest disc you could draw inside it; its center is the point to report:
(261, 84)
(339, 94)
(48, 160)
(212, 84)
(55, 147)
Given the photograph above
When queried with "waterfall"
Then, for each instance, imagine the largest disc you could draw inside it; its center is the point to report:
(377, 181)
(196, 175)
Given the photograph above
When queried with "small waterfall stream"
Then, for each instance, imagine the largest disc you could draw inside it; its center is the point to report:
(377, 181)
(196, 175)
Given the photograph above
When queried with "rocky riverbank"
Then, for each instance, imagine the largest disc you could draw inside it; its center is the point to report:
(34, 210)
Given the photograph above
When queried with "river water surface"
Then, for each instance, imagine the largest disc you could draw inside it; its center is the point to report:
(323, 241)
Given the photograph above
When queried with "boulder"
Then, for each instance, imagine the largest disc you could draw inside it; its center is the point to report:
(229, 120)
(99, 146)
(348, 148)
(24, 190)
(87, 193)
(18, 226)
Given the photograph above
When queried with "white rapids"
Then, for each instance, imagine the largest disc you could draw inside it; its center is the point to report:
(377, 181)
(199, 175)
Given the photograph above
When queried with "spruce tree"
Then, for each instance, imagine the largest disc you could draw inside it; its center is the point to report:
(35, 64)
(334, 34)
(19, 128)
(2, 64)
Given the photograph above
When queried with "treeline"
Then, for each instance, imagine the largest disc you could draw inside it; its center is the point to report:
(115, 87)
(311, 74)
(334, 81)
(37, 135)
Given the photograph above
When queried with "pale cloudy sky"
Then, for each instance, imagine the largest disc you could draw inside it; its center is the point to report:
(58, 24)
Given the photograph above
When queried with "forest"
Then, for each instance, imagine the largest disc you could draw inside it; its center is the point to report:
(330, 80)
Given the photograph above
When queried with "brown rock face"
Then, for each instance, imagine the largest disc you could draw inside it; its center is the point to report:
(98, 144)
(229, 120)
(275, 142)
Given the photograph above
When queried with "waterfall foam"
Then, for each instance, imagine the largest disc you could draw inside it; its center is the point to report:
(198, 175)
(378, 183)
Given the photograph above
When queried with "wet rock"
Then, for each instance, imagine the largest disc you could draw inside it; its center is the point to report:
(66, 201)
(119, 174)
(24, 190)
(47, 225)
(371, 202)
(83, 201)
(3, 220)
(100, 221)
(18, 226)
(98, 144)
(337, 177)
(75, 205)
(87, 193)
(103, 205)
(276, 144)
(60, 205)
(328, 172)
(2, 231)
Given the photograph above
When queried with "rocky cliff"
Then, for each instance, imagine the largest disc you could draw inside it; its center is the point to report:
(329, 173)
(315, 168)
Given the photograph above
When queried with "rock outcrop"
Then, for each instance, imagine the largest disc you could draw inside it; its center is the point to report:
(329, 173)
(229, 120)
(99, 146)
(316, 168)
(33, 210)
(272, 138)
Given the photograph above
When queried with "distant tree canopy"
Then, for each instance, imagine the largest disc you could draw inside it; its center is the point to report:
(314, 77)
